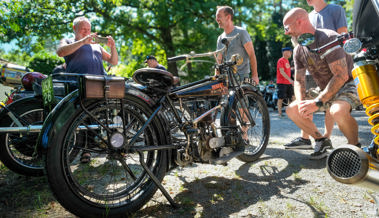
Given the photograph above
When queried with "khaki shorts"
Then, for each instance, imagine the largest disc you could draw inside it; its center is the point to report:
(347, 93)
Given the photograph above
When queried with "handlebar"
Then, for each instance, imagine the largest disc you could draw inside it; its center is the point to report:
(224, 41)
(338, 41)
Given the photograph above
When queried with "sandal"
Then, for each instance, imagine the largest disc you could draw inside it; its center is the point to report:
(85, 158)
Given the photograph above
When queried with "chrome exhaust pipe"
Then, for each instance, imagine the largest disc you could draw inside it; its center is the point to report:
(349, 164)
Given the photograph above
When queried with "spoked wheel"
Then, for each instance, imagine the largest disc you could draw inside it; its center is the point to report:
(113, 182)
(17, 150)
(257, 135)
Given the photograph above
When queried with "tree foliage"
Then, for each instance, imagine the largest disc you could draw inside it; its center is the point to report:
(164, 28)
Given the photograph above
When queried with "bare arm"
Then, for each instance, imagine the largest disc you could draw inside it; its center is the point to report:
(342, 30)
(65, 49)
(340, 76)
(111, 58)
(253, 60)
(299, 85)
(281, 70)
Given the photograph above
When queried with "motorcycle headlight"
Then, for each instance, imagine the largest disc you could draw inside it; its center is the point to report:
(352, 46)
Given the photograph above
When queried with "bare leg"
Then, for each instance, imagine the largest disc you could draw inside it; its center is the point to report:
(329, 123)
(280, 103)
(305, 124)
(340, 111)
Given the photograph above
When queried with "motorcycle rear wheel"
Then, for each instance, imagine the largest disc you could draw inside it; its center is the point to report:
(113, 183)
(258, 134)
(17, 150)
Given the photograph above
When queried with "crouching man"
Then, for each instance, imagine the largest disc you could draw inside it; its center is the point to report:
(331, 72)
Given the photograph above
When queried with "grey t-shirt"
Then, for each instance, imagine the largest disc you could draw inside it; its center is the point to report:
(318, 67)
(236, 46)
(331, 17)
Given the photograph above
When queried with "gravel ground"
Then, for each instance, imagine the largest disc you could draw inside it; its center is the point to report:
(283, 183)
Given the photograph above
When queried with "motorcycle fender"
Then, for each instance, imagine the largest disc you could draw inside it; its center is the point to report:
(252, 88)
(66, 108)
(57, 118)
(23, 101)
(138, 91)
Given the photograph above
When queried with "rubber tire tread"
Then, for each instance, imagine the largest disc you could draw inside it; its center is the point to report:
(18, 107)
(266, 124)
(76, 205)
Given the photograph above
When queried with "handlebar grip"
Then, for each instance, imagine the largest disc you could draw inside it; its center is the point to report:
(176, 58)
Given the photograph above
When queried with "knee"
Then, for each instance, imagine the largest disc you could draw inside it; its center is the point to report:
(292, 109)
(338, 112)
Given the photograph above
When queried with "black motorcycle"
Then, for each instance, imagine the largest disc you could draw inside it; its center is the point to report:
(21, 119)
(138, 133)
(270, 95)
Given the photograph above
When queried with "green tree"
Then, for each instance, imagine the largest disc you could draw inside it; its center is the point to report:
(164, 28)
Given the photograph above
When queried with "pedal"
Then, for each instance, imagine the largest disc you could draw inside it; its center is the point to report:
(216, 142)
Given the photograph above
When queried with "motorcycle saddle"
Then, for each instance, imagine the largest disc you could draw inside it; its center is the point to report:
(153, 77)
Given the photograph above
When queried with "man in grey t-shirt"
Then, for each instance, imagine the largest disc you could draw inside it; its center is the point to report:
(241, 45)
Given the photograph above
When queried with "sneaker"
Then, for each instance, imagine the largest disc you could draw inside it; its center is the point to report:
(299, 143)
(320, 149)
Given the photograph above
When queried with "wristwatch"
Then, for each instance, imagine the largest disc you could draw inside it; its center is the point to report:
(319, 103)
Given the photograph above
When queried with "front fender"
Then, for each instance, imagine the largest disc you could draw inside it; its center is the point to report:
(251, 88)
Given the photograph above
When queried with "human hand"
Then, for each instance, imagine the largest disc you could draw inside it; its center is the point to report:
(256, 79)
(307, 108)
(89, 39)
(111, 43)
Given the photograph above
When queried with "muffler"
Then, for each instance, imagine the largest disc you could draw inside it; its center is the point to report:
(349, 164)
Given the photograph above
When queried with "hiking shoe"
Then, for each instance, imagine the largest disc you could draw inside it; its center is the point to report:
(299, 143)
(320, 149)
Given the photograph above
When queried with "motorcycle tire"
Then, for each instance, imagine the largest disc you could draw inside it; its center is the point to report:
(17, 150)
(259, 133)
(113, 182)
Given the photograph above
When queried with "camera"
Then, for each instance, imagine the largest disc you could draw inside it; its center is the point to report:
(99, 39)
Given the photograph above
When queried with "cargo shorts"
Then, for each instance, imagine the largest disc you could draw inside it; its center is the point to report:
(347, 93)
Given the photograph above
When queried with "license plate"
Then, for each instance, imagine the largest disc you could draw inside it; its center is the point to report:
(48, 91)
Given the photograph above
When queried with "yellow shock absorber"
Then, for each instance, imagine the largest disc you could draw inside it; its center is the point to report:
(366, 80)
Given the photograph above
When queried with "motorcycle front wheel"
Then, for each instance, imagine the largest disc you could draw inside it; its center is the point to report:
(257, 134)
(113, 183)
(17, 150)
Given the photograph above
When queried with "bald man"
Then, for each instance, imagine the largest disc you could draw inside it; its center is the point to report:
(331, 72)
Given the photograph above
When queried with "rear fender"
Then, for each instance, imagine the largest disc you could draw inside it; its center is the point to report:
(57, 118)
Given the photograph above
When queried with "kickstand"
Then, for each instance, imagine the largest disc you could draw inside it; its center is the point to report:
(156, 181)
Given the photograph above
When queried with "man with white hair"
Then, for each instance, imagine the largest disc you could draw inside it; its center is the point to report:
(82, 54)
(85, 56)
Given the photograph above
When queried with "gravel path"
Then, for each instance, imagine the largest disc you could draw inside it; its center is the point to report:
(283, 183)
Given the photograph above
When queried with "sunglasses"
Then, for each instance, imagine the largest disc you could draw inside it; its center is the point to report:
(287, 28)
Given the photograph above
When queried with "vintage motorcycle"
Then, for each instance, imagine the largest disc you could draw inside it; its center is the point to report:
(21, 119)
(349, 164)
(136, 132)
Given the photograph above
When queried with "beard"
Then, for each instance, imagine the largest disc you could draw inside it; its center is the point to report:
(294, 41)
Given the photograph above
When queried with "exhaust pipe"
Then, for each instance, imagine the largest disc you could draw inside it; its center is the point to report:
(349, 164)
